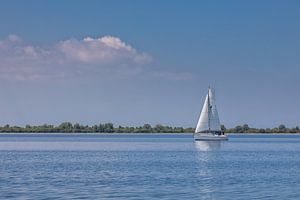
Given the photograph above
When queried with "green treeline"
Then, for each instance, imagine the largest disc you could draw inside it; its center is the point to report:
(68, 127)
(246, 129)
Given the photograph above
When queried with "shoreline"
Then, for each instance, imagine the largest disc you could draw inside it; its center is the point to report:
(95, 133)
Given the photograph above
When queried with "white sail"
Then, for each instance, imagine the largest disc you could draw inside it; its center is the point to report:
(208, 127)
(209, 118)
(203, 122)
(214, 117)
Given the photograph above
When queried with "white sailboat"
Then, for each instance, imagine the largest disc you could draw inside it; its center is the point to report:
(208, 126)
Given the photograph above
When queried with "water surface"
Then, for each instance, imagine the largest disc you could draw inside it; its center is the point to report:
(151, 166)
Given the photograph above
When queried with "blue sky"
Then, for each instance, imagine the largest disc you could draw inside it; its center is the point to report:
(136, 62)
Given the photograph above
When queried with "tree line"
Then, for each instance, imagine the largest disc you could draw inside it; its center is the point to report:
(246, 129)
(67, 127)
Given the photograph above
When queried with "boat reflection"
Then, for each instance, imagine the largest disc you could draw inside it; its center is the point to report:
(206, 175)
(208, 145)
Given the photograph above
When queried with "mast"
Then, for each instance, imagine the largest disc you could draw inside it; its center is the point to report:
(208, 109)
(209, 119)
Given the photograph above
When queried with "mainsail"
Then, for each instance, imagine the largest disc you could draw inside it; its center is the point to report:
(209, 118)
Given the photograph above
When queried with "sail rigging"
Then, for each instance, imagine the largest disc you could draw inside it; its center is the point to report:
(209, 118)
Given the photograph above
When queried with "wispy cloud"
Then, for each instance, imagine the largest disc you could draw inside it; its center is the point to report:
(75, 58)
(24, 61)
(102, 50)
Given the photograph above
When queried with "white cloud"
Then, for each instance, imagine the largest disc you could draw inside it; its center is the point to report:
(90, 57)
(113, 42)
(104, 50)
(13, 38)
(24, 61)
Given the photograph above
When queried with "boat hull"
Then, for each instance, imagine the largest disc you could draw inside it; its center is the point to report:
(210, 137)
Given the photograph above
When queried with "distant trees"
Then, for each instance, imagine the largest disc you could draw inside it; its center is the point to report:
(68, 127)
(147, 128)
(246, 129)
(282, 128)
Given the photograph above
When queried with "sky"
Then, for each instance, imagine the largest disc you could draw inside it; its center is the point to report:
(136, 62)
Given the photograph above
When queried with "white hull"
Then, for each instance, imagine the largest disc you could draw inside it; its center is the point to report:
(209, 137)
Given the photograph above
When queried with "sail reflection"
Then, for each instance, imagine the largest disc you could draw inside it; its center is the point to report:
(206, 158)
(208, 145)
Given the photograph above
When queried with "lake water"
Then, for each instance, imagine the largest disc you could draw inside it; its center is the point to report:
(152, 166)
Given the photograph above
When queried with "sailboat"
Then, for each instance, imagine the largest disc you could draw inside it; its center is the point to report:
(208, 126)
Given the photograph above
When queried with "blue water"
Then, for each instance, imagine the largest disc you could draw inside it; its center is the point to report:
(61, 166)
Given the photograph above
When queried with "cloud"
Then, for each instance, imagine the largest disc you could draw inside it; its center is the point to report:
(105, 50)
(13, 38)
(23, 61)
(106, 56)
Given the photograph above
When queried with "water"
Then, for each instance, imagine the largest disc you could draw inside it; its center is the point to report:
(61, 166)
